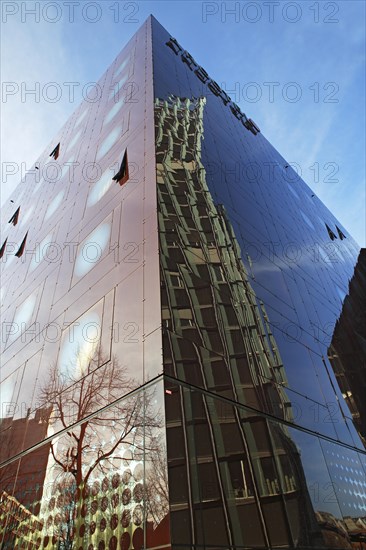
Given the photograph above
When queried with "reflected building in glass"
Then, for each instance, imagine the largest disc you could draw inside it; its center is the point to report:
(179, 369)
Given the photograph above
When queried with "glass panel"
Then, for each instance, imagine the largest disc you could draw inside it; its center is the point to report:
(108, 142)
(254, 481)
(103, 484)
(101, 187)
(121, 67)
(74, 139)
(91, 249)
(42, 251)
(23, 317)
(54, 205)
(115, 109)
(81, 117)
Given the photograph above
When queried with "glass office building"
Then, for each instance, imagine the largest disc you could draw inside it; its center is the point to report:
(182, 350)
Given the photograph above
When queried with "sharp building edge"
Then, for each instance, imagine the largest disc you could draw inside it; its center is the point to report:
(183, 357)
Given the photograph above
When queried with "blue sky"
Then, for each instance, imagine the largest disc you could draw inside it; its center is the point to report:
(296, 68)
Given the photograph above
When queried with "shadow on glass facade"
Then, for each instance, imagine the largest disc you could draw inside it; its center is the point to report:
(181, 367)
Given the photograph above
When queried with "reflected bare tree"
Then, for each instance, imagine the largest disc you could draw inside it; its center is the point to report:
(156, 483)
(93, 444)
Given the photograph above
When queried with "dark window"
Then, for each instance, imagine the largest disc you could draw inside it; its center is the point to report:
(176, 280)
(15, 216)
(2, 249)
(55, 153)
(22, 246)
(330, 233)
(241, 480)
(341, 234)
(122, 175)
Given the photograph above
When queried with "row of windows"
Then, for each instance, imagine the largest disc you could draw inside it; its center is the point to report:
(20, 250)
(121, 177)
(333, 236)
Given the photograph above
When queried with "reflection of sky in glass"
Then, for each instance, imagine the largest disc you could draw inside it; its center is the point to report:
(23, 315)
(81, 118)
(293, 191)
(40, 252)
(109, 141)
(316, 472)
(74, 140)
(307, 221)
(35, 189)
(341, 293)
(10, 253)
(51, 172)
(330, 253)
(112, 113)
(54, 174)
(127, 457)
(66, 168)
(121, 67)
(138, 472)
(324, 254)
(6, 396)
(91, 249)
(25, 215)
(54, 205)
(79, 344)
(100, 188)
(116, 88)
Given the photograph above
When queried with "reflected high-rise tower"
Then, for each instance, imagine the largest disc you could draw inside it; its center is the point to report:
(169, 291)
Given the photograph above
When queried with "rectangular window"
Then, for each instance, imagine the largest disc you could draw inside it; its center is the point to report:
(176, 280)
(241, 480)
(219, 272)
(186, 323)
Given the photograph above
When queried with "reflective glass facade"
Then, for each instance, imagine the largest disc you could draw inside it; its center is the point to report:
(178, 364)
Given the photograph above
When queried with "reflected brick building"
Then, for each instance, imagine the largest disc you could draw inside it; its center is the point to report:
(347, 352)
(169, 285)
